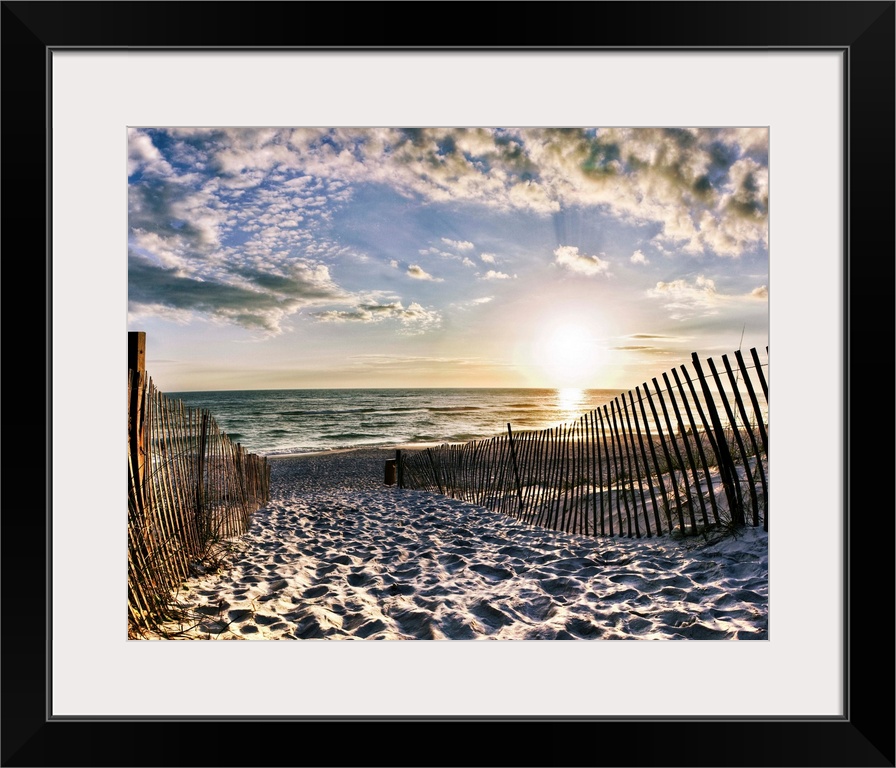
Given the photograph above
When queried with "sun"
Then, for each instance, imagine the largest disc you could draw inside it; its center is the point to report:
(567, 354)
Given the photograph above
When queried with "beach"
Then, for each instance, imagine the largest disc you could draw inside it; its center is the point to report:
(337, 554)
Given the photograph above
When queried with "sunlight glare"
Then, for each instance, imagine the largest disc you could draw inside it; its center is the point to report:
(571, 401)
(567, 355)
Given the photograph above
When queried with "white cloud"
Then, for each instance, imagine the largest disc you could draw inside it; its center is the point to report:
(568, 256)
(760, 293)
(639, 258)
(144, 156)
(685, 300)
(465, 305)
(394, 264)
(488, 258)
(418, 273)
(415, 318)
(494, 275)
(461, 245)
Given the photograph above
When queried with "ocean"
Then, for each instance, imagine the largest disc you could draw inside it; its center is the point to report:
(271, 422)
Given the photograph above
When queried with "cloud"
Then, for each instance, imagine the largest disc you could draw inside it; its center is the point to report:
(218, 214)
(460, 245)
(143, 156)
(415, 318)
(706, 188)
(568, 256)
(685, 300)
(700, 298)
(465, 305)
(253, 300)
(418, 273)
(639, 258)
(657, 336)
(393, 263)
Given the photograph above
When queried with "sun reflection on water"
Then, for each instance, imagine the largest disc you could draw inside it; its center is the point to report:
(571, 402)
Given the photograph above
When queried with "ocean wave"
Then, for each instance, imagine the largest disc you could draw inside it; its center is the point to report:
(453, 408)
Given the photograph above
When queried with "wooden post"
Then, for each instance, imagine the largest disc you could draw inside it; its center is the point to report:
(136, 425)
(137, 351)
(516, 469)
(435, 473)
(726, 463)
(756, 410)
(400, 469)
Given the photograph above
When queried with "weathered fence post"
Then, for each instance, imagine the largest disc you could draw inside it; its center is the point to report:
(391, 471)
(516, 470)
(726, 464)
(136, 422)
(400, 469)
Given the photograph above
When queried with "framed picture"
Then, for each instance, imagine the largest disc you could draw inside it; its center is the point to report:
(78, 74)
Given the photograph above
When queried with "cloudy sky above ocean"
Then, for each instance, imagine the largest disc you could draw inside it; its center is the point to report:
(395, 257)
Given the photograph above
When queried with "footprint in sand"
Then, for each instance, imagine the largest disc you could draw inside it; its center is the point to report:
(455, 627)
(536, 608)
(491, 573)
(620, 595)
(631, 579)
(370, 628)
(682, 582)
(407, 570)
(563, 586)
(492, 617)
(417, 624)
(397, 589)
(514, 551)
(638, 625)
(749, 596)
(676, 593)
(702, 632)
(452, 563)
(360, 579)
(673, 619)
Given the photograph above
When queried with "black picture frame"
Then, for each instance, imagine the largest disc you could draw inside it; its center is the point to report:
(863, 736)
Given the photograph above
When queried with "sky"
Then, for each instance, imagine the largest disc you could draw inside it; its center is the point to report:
(276, 258)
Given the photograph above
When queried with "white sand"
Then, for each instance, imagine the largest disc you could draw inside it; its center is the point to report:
(337, 554)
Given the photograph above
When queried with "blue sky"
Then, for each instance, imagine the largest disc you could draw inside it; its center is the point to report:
(387, 257)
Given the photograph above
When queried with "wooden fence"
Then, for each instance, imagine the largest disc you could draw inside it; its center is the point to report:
(189, 488)
(683, 455)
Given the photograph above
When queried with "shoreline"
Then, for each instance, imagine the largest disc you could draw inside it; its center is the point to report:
(353, 449)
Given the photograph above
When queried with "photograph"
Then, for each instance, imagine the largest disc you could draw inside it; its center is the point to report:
(448, 383)
(451, 342)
